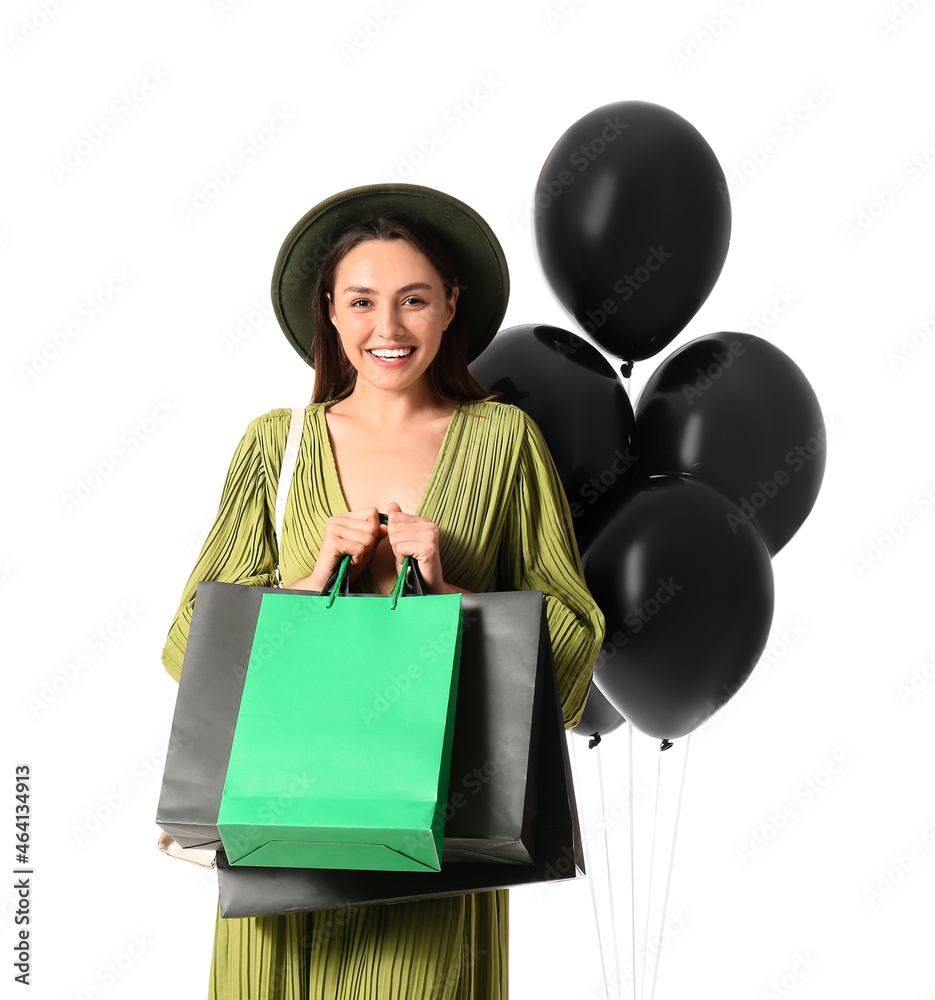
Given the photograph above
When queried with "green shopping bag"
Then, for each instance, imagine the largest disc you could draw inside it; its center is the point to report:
(342, 748)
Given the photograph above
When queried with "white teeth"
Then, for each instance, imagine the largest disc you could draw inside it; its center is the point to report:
(399, 352)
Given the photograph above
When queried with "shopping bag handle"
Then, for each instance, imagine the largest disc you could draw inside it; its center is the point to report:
(409, 579)
(400, 581)
(411, 576)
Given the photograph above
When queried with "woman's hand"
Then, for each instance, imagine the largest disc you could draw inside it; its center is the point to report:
(415, 536)
(356, 534)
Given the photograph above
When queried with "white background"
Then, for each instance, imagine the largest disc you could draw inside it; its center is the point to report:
(153, 377)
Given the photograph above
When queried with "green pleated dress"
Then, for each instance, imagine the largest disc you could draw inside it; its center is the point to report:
(504, 525)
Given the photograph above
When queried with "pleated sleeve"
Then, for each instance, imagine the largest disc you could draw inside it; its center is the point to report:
(539, 552)
(240, 546)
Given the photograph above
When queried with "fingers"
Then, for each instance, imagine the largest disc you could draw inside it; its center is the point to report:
(417, 537)
(414, 540)
(346, 534)
(365, 514)
(355, 534)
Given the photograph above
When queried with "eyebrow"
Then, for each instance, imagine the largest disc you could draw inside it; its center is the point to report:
(363, 290)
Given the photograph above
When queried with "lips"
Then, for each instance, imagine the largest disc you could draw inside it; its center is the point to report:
(391, 353)
(391, 357)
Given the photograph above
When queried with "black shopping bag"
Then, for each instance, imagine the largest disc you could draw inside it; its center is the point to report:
(491, 806)
(558, 853)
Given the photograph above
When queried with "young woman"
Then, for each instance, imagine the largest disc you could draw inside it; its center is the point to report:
(392, 289)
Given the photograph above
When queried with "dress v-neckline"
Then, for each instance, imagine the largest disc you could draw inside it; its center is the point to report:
(337, 498)
(334, 480)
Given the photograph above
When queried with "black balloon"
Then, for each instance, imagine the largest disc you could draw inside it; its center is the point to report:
(687, 601)
(579, 404)
(733, 410)
(632, 224)
(599, 717)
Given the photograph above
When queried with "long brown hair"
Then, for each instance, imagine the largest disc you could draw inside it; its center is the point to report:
(448, 374)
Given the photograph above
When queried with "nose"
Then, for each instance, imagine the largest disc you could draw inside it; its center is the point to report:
(388, 320)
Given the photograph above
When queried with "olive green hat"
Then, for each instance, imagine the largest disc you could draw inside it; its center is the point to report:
(482, 276)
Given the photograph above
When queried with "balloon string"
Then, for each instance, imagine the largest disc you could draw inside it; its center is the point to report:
(610, 881)
(665, 901)
(652, 864)
(592, 880)
(632, 865)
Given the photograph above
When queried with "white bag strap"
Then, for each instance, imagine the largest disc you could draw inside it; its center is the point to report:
(286, 472)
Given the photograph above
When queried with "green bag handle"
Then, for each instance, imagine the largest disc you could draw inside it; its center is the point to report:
(397, 590)
(401, 581)
(339, 579)
(409, 562)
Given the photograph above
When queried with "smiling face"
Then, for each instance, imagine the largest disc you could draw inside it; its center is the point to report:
(390, 311)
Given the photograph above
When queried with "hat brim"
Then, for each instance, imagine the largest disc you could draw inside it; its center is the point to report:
(482, 277)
